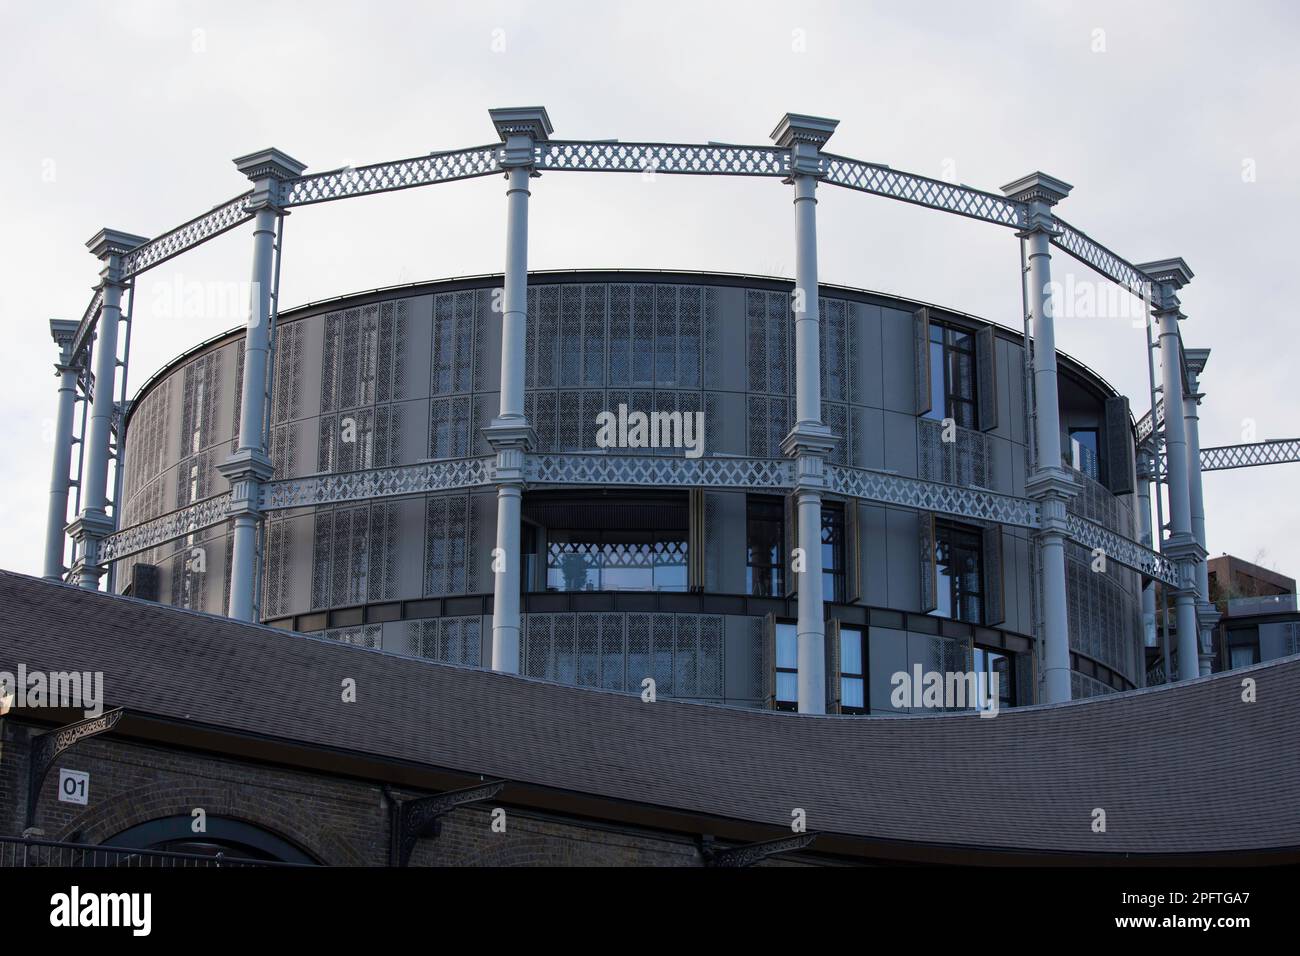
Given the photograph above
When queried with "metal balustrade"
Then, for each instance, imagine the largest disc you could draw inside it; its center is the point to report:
(21, 852)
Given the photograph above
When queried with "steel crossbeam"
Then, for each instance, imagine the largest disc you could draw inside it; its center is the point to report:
(1277, 451)
(680, 158)
(1093, 254)
(923, 191)
(442, 167)
(168, 527)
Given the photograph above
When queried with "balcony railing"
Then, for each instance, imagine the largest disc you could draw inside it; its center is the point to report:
(23, 852)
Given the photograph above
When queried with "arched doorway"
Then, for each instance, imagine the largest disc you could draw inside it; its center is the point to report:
(221, 835)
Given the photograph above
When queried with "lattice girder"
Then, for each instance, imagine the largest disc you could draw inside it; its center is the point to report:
(1277, 451)
(677, 158)
(439, 167)
(923, 191)
(86, 327)
(1122, 551)
(168, 527)
(638, 470)
(188, 235)
(451, 474)
(934, 496)
(1093, 254)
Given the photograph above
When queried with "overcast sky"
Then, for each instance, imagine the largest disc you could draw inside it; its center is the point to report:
(1175, 122)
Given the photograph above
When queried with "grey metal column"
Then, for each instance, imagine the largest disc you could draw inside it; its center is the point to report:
(63, 331)
(1148, 541)
(1207, 615)
(809, 441)
(1051, 485)
(250, 465)
(509, 434)
(1170, 275)
(93, 524)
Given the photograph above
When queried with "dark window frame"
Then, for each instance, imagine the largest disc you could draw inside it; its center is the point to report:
(971, 540)
(834, 524)
(1006, 689)
(961, 408)
(765, 510)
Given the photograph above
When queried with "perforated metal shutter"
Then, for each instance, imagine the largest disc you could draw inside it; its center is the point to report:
(1119, 447)
(925, 522)
(986, 377)
(832, 648)
(853, 551)
(790, 528)
(921, 358)
(767, 662)
(994, 587)
(696, 546)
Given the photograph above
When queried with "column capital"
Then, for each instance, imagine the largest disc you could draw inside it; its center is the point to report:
(808, 439)
(1167, 276)
(269, 169)
(804, 136)
(1052, 482)
(109, 246)
(88, 529)
(1208, 616)
(1195, 361)
(63, 331)
(246, 469)
(1039, 192)
(520, 127)
(508, 432)
(1175, 272)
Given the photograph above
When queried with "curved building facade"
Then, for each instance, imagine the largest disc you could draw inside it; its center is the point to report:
(652, 574)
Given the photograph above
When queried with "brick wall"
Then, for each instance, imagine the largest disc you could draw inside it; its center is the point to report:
(336, 820)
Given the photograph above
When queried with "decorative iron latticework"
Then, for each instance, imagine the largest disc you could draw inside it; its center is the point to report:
(1093, 254)
(188, 235)
(1121, 550)
(665, 471)
(175, 524)
(443, 167)
(923, 191)
(932, 496)
(711, 159)
(379, 483)
(1274, 452)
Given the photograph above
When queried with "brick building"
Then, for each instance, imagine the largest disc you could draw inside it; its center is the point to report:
(250, 725)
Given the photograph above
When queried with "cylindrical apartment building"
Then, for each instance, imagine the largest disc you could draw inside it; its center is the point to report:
(385, 524)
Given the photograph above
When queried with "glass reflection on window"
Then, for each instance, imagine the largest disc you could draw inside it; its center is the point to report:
(590, 560)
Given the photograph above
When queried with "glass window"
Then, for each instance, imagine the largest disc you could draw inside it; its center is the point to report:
(1243, 647)
(592, 560)
(958, 579)
(952, 375)
(833, 576)
(787, 667)
(852, 672)
(1084, 452)
(764, 546)
(989, 662)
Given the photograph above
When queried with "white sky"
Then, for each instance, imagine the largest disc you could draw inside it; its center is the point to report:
(127, 115)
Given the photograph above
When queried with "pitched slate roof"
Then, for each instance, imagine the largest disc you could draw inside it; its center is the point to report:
(1187, 768)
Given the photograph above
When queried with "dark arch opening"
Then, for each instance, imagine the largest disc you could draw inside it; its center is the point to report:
(222, 835)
